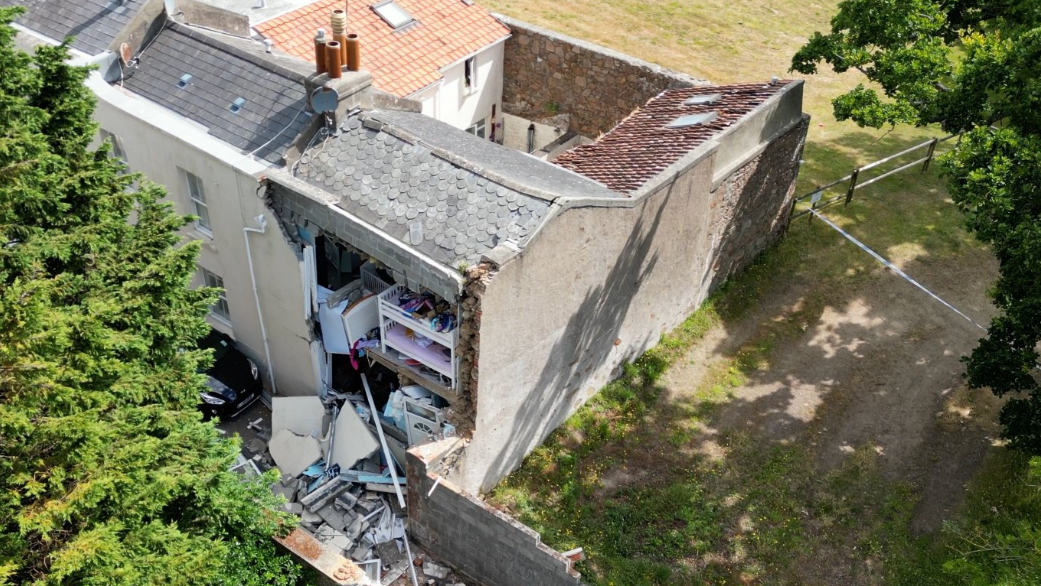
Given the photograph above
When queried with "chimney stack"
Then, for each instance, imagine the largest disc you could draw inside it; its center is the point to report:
(338, 20)
(353, 52)
(332, 59)
(319, 52)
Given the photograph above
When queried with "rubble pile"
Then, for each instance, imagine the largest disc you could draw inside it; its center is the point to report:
(345, 479)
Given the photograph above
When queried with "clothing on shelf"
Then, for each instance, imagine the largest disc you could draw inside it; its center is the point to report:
(426, 308)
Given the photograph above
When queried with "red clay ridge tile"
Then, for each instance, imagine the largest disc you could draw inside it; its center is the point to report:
(641, 146)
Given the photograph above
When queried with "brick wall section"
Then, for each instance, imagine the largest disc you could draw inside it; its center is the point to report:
(596, 86)
(477, 540)
(750, 208)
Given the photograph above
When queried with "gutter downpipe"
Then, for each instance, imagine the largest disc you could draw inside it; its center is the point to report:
(262, 222)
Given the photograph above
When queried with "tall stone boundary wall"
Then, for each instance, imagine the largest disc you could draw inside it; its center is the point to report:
(749, 212)
(546, 73)
(477, 540)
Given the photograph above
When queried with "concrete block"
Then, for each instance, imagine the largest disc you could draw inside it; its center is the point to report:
(388, 552)
(434, 570)
(334, 516)
(361, 553)
(333, 538)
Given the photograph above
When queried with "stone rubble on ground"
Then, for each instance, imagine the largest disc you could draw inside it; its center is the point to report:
(355, 512)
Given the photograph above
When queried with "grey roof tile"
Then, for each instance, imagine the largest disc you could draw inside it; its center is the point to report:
(273, 114)
(445, 198)
(93, 23)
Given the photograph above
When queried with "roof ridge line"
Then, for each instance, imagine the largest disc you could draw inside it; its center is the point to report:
(209, 38)
(454, 159)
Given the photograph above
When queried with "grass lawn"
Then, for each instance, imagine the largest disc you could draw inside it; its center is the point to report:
(660, 479)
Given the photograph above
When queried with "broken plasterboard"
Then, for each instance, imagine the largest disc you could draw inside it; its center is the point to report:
(301, 415)
(293, 453)
(352, 439)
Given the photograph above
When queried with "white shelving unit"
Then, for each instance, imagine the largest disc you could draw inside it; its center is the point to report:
(439, 356)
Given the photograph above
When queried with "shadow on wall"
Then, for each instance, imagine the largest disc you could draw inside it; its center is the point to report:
(834, 373)
(752, 206)
(747, 213)
(583, 347)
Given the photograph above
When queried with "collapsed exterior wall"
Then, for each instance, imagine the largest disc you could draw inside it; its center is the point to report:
(600, 285)
(470, 341)
(546, 73)
(480, 542)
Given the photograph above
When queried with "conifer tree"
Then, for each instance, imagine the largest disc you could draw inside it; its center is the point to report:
(108, 475)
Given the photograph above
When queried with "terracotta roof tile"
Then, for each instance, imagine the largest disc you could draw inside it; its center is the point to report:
(401, 61)
(641, 146)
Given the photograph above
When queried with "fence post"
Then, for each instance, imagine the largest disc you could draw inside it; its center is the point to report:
(852, 186)
(791, 212)
(929, 156)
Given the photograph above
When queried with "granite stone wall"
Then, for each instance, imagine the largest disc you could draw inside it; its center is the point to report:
(750, 208)
(547, 73)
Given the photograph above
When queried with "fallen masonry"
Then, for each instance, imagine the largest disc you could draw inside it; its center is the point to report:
(347, 486)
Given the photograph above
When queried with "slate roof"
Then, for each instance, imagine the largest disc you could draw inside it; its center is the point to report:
(640, 147)
(515, 168)
(94, 23)
(391, 183)
(272, 114)
(401, 61)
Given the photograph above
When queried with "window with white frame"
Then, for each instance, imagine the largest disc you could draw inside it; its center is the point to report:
(117, 146)
(477, 129)
(220, 308)
(197, 194)
(470, 74)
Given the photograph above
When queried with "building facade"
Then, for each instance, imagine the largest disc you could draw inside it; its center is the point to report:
(445, 54)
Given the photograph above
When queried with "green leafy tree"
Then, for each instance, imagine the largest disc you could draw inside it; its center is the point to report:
(972, 67)
(108, 475)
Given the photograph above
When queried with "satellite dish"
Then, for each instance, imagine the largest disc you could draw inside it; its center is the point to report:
(126, 53)
(324, 100)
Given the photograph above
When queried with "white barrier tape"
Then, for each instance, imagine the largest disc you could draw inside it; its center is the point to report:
(892, 267)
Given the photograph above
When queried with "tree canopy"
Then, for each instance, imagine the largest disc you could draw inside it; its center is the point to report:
(108, 475)
(972, 67)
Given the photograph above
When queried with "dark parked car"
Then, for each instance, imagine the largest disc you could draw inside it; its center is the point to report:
(234, 380)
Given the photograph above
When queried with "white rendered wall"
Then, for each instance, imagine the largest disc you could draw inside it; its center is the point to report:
(162, 145)
(450, 102)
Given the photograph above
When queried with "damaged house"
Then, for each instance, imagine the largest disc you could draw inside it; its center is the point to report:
(557, 273)
(437, 301)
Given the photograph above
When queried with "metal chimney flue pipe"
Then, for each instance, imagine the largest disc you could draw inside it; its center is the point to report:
(332, 59)
(353, 52)
(319, 51)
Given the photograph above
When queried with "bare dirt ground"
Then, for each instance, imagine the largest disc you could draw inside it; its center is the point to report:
(880, 368)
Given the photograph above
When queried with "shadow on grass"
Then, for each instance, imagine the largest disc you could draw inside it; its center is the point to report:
(707, 486)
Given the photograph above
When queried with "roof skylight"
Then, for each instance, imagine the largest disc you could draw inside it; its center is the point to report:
(393, 13)
(693, 120)
(702, 99)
